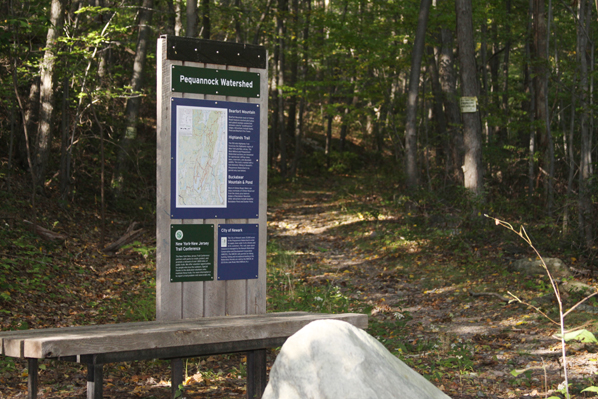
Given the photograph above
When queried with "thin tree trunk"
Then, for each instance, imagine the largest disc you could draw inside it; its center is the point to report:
(293, 62)
(178, 20)
(484, 90)
(504, 132)
(102, 178)
(530, 106)
(191, 30)
(13, 110)
(585, 201)
(299, 128)
(239, 37)
(438, 109)
(411, 110)
(550, 142)
(171, 18)
(64, 142)
(44, 128)
(205, 20)
(282, 11)
(28, 150)
(570, 161)
(472, 132)
(540, 82)
(494, 64)
(447, 76)
(258, 29)
(134, 102)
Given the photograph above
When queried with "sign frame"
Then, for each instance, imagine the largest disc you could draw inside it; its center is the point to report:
(195, 299)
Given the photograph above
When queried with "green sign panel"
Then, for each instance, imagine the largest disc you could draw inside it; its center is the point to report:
(215, 81)
(191, 252)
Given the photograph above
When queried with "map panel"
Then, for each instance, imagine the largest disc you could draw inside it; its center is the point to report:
(215, 148)
(201, 157)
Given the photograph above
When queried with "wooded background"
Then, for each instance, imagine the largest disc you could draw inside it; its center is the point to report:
(353, 84)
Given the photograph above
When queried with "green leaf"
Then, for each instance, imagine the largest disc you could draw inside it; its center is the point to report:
(590, 389)
(582, 335)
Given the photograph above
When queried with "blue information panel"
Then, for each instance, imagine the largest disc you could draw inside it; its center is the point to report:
(215, 159)
(238, 251)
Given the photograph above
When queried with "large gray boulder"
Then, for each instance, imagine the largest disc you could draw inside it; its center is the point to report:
(534, 267)
(331, 359)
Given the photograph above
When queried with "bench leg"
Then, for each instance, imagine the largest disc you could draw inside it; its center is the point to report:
(95, 381)
(256, 373)
(32, 369)
(176, 370)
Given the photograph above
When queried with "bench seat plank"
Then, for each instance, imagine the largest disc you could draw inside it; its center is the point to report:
(113, 338)
(14, 339)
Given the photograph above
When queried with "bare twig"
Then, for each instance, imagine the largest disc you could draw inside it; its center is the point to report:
(533, 307)
(523, 234)
(579, 303)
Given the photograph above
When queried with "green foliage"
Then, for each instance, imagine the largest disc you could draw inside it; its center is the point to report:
(582, 335)
(142, 249)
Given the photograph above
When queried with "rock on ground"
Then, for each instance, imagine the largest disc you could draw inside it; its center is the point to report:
(534, 267)
(331, 359)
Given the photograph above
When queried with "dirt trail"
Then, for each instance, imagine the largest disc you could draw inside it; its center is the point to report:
(469, 346)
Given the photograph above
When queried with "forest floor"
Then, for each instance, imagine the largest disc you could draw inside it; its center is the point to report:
(346, 244)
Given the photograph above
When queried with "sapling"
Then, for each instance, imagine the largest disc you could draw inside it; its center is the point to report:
(563, 336)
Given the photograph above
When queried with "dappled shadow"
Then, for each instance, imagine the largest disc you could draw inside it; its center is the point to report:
(413, 273)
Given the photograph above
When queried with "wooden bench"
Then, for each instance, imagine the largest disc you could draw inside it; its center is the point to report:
(95, 345)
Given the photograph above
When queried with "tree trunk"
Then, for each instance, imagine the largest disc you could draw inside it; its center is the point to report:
(540, 81)
(568, 139)
(258, 29)
(411, 110)
(585, 163)
(484, 89)
(293, 62)
(239, 36)
(134, 103)
(44, 128)
(299, 129)
(205, 20)
(494, 64)
(504, 132)
(439, 116)
(64, 142)
(191, 18)
(472, 132)
(178, 20)
(282, 11)
(448, 85)
(529, 106)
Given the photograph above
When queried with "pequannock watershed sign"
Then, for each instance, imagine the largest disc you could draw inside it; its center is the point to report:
(215, 81)
(211, 218)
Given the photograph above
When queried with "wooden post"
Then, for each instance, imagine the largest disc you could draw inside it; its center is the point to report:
(176, 369)
(95, 380)
(256, 373)
(32, 370)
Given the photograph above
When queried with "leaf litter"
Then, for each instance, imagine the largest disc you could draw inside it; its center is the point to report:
(334, 249)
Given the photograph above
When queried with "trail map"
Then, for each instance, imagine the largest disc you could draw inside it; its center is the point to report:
(201, 157)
